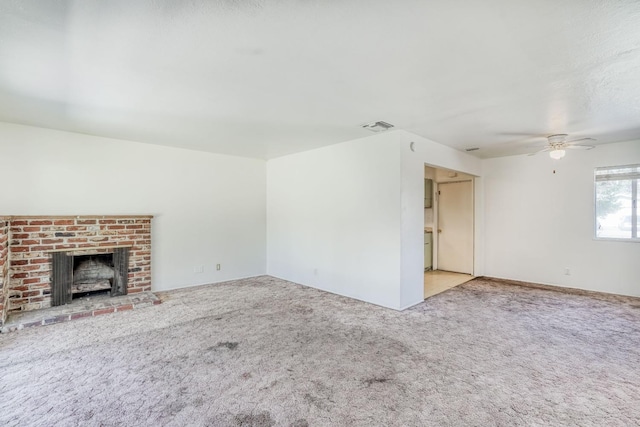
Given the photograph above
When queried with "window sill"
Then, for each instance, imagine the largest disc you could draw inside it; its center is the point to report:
(613, 239)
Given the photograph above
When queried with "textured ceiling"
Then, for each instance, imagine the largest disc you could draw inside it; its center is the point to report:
(267, 78)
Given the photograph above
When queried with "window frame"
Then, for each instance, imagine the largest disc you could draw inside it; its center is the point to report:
(634, 178)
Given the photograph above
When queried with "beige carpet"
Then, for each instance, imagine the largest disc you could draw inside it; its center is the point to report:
(263, 352)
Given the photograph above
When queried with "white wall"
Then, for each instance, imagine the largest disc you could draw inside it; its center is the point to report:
(333, 218)
(208, 208)
(413, 170)
(539, 222)
(347, 218)
(354, 213)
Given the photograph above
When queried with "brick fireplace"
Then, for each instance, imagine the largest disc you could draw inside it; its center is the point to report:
(29, 245)
(4, 266)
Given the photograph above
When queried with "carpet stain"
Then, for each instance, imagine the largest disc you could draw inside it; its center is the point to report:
(226, 344)
(301, 309)
(318, 402)
(174, 408)
(88, 416)
(262, 419)
(370, 381)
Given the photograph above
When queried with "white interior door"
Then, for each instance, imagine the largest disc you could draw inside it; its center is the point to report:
(455, 227)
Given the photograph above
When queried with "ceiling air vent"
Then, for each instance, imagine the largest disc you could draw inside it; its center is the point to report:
(472, 149)
(377, 126)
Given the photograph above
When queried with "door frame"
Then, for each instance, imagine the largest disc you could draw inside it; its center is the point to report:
(445, 176)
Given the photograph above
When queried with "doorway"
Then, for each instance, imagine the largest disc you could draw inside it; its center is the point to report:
(451, 219)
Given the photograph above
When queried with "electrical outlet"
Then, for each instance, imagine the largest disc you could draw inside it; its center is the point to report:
(567, 272)
(315, 271)
(218, 267)
(198, 269)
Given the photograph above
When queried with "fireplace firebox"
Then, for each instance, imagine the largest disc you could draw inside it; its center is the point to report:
(81, 274)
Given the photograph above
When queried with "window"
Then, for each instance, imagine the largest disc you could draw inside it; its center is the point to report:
(617, 190)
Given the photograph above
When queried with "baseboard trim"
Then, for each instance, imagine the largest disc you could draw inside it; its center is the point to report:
(566, 290)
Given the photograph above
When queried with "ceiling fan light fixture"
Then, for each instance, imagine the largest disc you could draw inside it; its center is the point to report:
(557, 153)
(558, 138)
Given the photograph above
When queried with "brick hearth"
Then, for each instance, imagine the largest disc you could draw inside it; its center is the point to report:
(27, 242)
(82, 308)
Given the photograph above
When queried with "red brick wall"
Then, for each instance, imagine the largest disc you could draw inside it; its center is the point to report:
(4, 266)
(34, 238)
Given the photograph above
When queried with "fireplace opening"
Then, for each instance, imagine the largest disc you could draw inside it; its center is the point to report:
(92, 274)
(75, 276)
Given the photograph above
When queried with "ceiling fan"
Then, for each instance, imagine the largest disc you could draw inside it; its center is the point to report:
(557, 144)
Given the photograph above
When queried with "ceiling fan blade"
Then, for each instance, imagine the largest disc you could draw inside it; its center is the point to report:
(580, 147)
(581, 139)
(541, 151)
(524, 134)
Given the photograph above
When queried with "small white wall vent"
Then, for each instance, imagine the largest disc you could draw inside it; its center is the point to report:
(378, 126)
